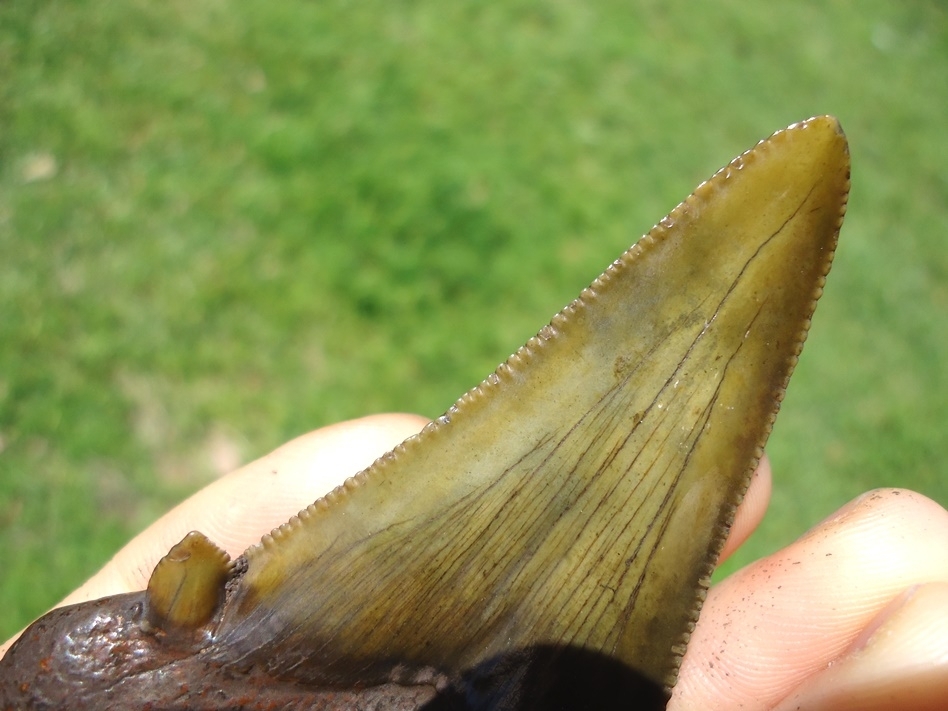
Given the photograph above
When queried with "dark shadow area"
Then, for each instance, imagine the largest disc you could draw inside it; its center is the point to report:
(551, 678)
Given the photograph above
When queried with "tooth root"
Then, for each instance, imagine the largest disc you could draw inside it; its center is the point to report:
(187, 586)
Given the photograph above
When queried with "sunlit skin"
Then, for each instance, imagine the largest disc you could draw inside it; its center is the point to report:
(852, 615)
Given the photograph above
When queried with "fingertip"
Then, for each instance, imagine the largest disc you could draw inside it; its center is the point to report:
(769, 627)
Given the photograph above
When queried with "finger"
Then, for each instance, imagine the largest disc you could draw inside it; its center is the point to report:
(751, 511)
(776, 623)
(237, 509)
(899, 662)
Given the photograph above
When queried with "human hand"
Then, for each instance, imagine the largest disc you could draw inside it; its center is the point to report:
(853, 615)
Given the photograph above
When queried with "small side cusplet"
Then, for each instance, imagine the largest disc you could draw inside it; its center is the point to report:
(186, 588)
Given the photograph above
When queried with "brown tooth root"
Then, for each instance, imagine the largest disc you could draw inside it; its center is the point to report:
(187, 586)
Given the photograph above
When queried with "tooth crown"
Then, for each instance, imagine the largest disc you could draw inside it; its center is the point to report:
(581, 493)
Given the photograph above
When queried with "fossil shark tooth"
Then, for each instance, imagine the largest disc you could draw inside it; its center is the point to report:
(577, 499)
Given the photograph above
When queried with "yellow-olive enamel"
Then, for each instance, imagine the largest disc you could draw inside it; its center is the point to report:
(579, 495)
(187, 585)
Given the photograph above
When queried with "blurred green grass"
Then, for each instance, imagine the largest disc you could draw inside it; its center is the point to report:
(225, 224)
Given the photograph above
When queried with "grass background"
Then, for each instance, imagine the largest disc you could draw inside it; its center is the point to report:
(223, 224)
